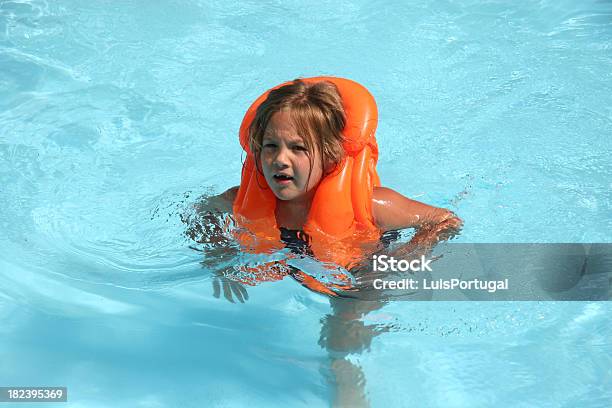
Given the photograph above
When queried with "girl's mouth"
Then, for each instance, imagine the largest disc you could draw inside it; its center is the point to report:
(282, 179)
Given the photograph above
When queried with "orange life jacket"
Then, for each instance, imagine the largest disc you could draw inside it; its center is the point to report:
(340, 217)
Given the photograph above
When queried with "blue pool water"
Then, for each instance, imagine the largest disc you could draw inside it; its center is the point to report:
(116, 116)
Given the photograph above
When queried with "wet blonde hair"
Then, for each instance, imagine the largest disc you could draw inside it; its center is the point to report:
(317, 114)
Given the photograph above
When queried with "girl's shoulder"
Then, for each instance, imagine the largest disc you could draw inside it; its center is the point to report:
(230, 193)
(223, 202)
(227, 198)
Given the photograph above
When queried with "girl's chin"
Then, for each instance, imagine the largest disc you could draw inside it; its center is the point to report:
(284, 196)
(290, 195)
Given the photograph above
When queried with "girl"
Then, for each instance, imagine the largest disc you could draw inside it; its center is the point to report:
(310, 184)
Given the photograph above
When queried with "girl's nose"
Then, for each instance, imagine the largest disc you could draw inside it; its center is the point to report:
(281, 159)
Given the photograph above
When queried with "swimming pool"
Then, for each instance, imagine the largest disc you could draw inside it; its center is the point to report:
(117, 116)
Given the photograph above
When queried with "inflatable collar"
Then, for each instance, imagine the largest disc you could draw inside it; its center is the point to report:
(342, 205)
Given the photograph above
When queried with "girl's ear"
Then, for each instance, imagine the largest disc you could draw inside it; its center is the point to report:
(329, 167)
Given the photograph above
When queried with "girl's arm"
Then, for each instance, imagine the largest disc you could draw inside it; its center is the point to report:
(208, 229)
(393, 211)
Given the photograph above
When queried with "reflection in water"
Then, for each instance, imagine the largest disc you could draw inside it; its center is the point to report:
(343, 333)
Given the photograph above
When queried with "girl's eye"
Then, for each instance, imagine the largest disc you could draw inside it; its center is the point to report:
(300, 148)
(269, 145)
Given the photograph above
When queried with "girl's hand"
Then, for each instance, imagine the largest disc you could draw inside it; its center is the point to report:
(229, 287)
(445, 229)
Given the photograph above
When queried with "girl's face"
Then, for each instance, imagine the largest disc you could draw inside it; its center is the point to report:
(286, 162)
